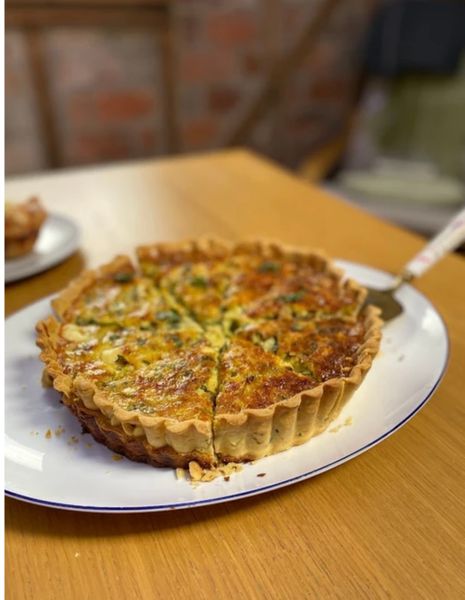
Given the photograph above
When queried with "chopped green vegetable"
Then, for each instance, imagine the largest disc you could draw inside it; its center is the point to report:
(139, 406)
(121, 360)
(304, 369)
(234, 325)
(269, 267)
(292, 297)
(123, 277)
(199, 281)
(300, 365)
(256, 338)
(177, 341)
(170, 316)
(270, 344)
(82, 321)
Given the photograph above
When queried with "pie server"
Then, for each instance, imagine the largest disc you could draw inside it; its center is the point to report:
(447, 239)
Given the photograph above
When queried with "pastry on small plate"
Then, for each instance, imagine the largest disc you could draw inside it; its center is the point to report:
(22, 225)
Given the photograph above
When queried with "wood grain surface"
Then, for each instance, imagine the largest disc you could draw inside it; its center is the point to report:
(388, 524)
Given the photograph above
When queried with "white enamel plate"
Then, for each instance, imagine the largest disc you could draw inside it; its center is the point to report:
(72, 471)
(58, 239)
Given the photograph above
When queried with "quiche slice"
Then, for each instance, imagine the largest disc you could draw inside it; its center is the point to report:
(255, 406)
(278, 387)
(308, 294)
(264, 268)
(152, 403)
(208, 351)
(144, 388)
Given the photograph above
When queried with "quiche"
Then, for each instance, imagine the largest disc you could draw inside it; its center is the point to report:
(209, 351)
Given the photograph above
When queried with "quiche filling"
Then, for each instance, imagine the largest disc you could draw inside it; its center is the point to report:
(208, 351)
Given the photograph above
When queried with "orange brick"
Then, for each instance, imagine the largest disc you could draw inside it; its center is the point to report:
(223, 99)
(198, 66)
(199, 132)
(231, 29)
(109, 107)
(124, 106)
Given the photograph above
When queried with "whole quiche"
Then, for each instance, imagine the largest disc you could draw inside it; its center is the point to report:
(208, 351)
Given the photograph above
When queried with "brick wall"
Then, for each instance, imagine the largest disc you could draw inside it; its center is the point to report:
(23, 150)
(105, 89)
(106, 85)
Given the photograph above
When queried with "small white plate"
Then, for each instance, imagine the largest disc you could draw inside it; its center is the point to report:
(76, 473)
(58, 239)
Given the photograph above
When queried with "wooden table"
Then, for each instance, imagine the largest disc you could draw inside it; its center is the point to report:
(388, 524)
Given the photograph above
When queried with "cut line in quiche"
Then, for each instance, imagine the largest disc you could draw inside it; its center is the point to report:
(208, 351)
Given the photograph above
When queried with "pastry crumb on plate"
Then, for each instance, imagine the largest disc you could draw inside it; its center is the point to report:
(346, 423)
(197, 474)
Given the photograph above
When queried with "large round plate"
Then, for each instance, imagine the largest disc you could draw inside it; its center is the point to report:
(77, 473)
(58, 239)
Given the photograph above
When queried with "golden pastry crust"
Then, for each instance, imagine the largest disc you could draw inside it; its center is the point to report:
(286, 279)
(22, 225)
(134, 447)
